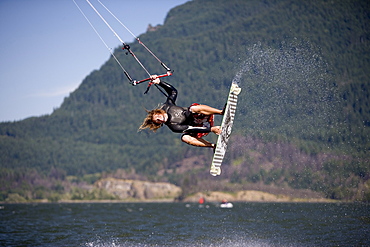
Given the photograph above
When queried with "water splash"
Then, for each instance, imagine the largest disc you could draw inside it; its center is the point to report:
(238, 77)
(233, 241)
(287, 88)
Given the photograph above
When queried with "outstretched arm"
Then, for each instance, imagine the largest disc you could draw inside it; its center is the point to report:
(170, 90)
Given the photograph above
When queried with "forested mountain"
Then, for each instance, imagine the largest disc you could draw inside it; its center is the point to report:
(302, 121)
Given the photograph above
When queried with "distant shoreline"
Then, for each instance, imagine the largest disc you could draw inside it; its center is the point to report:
(170, 201)
(246, 196)
(151, 201)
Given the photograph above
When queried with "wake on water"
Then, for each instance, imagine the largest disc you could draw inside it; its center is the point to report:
(235, 241)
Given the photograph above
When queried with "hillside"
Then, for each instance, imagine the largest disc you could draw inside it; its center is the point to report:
(302, 122)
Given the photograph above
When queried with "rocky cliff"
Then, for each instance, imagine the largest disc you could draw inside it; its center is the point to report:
(136, 190)
(139, 190)
(249, 196)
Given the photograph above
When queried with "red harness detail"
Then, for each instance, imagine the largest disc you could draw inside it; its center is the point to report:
(201, 120)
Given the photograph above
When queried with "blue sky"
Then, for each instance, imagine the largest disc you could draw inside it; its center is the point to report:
(47, 47)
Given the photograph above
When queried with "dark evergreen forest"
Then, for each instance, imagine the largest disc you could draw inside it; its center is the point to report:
(302, 122)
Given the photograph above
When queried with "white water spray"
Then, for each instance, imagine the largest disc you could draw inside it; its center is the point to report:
(238, 77)
(288, 88)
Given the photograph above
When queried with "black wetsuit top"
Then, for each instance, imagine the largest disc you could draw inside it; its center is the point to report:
(180, 119)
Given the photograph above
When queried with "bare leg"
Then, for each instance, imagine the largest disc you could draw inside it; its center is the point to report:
(204, 109)
(199, 142)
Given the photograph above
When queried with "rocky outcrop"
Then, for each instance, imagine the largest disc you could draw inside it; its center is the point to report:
(248, 196)
(136, 190)
(139, 190)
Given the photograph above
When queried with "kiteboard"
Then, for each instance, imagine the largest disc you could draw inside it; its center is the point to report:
(226, 127)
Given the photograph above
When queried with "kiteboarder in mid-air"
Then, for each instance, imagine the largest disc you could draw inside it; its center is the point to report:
(194, 122)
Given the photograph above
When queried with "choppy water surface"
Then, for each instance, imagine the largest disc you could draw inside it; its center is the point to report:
(180, 224)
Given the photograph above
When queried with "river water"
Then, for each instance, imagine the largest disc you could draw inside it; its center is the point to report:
(181, 224)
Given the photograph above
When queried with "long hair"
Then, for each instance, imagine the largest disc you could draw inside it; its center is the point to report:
(148, 120)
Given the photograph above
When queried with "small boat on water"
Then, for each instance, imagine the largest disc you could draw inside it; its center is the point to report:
(226, 204)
